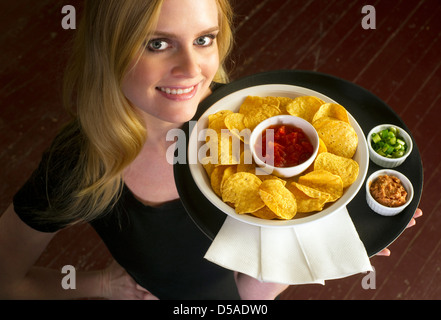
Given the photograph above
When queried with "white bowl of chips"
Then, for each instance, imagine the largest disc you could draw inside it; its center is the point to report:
(211, 177)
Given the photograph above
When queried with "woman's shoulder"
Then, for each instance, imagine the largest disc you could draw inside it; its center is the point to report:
(34, 197)
(69, 139)
(63, 154)
(63, 151)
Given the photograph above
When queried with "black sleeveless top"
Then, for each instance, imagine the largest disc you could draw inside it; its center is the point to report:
(163, 250)
(160, 247)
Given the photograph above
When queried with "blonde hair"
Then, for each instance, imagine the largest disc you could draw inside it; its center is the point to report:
(111, 133)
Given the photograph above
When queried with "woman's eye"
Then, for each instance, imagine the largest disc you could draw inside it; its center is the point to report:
(157, 45)
(204, 41)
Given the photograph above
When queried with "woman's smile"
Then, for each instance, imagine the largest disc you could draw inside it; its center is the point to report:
(178, 93)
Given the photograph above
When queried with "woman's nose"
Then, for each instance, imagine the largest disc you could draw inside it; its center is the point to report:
(187, 64)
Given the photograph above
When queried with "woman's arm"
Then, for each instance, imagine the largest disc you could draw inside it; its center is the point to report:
(21, 246)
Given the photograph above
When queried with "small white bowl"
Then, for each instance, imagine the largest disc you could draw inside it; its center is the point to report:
(383, 161)
(285, 172)
(379, 208)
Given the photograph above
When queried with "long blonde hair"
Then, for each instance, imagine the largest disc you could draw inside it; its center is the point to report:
(105, 127)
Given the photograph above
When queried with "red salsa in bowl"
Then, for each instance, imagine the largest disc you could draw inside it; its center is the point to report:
(284, 146)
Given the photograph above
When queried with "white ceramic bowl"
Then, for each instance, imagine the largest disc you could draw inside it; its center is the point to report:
(285, 172)
(232, 102)
(383, 161)
(379, 208)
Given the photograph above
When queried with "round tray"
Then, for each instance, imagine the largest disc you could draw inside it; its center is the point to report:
(375, 231)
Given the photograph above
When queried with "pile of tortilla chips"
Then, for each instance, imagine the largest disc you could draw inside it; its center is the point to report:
(236, 179)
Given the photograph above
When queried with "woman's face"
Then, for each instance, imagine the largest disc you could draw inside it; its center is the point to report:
(178, 63)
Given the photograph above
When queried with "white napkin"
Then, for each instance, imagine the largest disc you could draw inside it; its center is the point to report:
(312, 253)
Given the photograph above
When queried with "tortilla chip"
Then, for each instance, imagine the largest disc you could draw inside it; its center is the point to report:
(304, 107)
(324, 181)
(339, 136)
(257, 109)
(242, 190)
(331, 110)
(308, 199)
(278, 198)
(235, 123)
(265, 213)
(346, 168)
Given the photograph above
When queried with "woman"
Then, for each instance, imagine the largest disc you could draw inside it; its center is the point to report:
(139, 69)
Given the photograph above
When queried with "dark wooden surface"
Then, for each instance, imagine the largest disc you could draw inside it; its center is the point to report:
(399, 61)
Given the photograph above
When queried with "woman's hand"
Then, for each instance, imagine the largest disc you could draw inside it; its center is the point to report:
(117, 284)
(252, 289)
(418, 213)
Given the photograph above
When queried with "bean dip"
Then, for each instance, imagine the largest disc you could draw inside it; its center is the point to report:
(388, 191)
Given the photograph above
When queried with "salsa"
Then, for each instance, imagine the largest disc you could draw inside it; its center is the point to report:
(288, 147)
(388, 191)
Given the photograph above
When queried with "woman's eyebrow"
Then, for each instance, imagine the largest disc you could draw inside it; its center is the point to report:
(169, 35)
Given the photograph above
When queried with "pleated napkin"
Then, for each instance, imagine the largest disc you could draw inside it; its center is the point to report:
(326, 249)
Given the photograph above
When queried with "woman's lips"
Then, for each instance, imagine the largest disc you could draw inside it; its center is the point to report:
(178, 93)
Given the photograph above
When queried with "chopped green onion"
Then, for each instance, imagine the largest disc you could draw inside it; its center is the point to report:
(388, 143)
(376, 138)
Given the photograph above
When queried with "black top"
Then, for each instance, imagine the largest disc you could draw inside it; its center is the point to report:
(160, 247)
